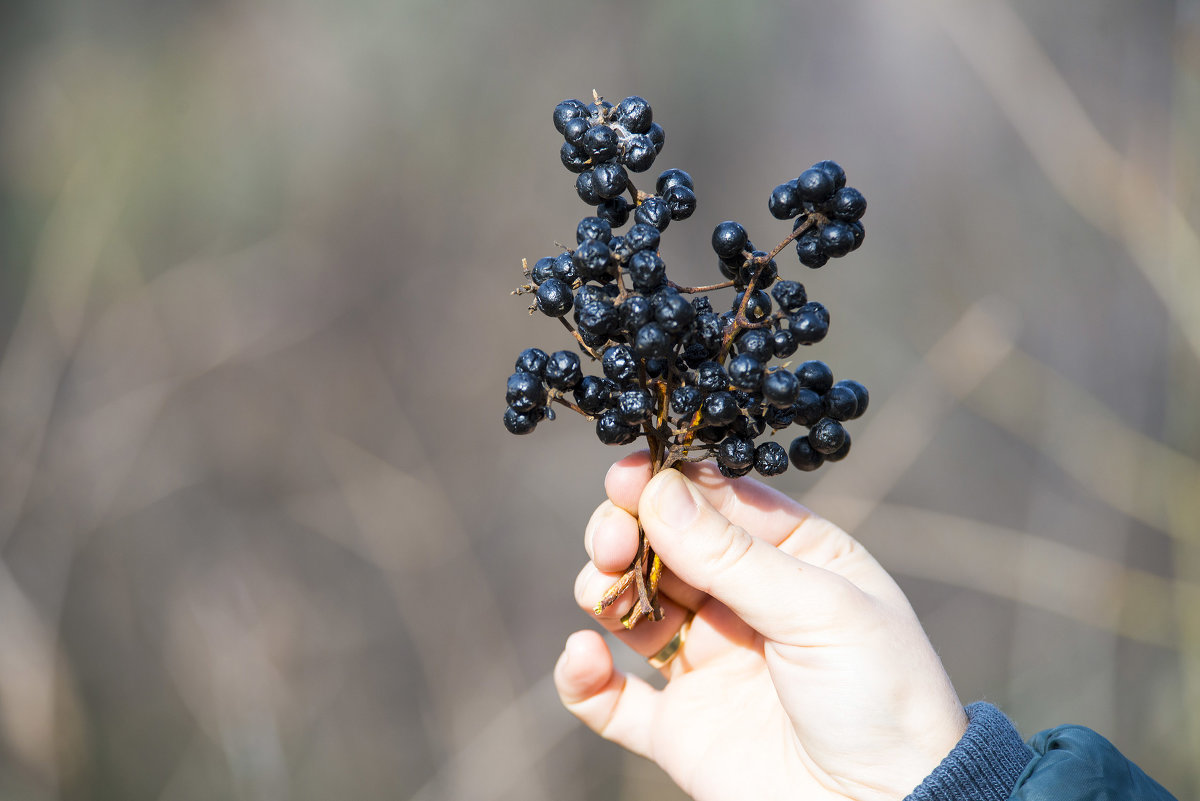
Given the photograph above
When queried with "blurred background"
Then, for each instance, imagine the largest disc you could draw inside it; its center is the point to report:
(263, 534)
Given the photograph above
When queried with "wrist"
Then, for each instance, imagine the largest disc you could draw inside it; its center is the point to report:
(983, 765)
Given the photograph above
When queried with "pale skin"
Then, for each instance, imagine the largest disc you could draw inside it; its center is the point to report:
(805, 673)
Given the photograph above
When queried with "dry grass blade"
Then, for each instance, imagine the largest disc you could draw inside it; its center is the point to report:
(1112, 192)
(900, 429)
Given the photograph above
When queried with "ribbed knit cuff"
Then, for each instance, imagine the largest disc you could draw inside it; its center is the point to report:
(985, 764)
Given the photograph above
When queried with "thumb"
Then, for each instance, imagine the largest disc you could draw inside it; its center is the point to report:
(779, 596)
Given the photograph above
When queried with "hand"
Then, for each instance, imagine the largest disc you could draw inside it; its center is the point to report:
(805, 673)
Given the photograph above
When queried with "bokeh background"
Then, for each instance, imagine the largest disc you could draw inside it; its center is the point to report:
(263, 535)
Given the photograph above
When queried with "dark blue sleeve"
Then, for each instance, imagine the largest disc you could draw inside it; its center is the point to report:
(985, 764)
(1072, 763)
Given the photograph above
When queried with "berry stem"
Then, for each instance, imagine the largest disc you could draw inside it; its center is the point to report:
(590, 352)
(691, 290)
(556, 396)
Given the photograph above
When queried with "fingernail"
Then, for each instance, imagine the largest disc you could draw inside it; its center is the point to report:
(674, 501)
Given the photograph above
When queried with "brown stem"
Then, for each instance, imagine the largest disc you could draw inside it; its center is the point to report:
(579, 339)
(797, 232)
(691, 290)
(557, 397)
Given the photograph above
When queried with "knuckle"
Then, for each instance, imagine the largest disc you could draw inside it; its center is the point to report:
(730, 548)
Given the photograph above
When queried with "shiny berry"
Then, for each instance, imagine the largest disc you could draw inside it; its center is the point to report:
(610, 180)
(719, 409)
(566, 111)
(647, 270)
(653, 211)
(681, 201)
(860, 393)
(600, 142)
(619, 364)
(790, 295)
(834, 170)
(521, 422)
(634, 114)
(543, 268)
(809, 407)
(815, 375)
(736, 452)
(615, 211)
(658, 136)
(564, 268)
(585, 187)
(841, 403)
(770, 459)
(672, 177)
(847, 204)
(652, 342)
(611, 431)
(573, 158)
(593, 394)
(525, 392)
(592, 259)
(841, 452)
(554, 297)
(532, 360)
(729, 240)
(778, 418)
(746, 372)
(784, 343)
(827, 436)
(563, 370)
(593, 228)
(574, 130)
(758, 305)
(757, 342)
(634, 406)
(785, 202)
(639, 153)
(780, 387)
(814, 186)
(711, 377)
(674, 314)
(641, 236)
(685, 401)
(837, 239)
(810, 251)
(810, 325)
(635, 312)
(803, 456)
(729, 472)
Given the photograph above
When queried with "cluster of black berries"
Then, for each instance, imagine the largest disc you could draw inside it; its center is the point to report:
(695, 381)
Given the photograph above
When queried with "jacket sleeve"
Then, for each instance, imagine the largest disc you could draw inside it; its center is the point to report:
(1066, 763)
(1072, 763)
(983, 766)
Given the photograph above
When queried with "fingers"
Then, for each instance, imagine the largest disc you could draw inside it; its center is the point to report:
(645, 639)
(778, 595)
(616, 706)
(754, 506)
(611, 538)
(764, 512)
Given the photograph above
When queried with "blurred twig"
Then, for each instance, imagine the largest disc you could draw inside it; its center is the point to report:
(1112, 192)
(1135, 474)
(901, 428)
(996, 560)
